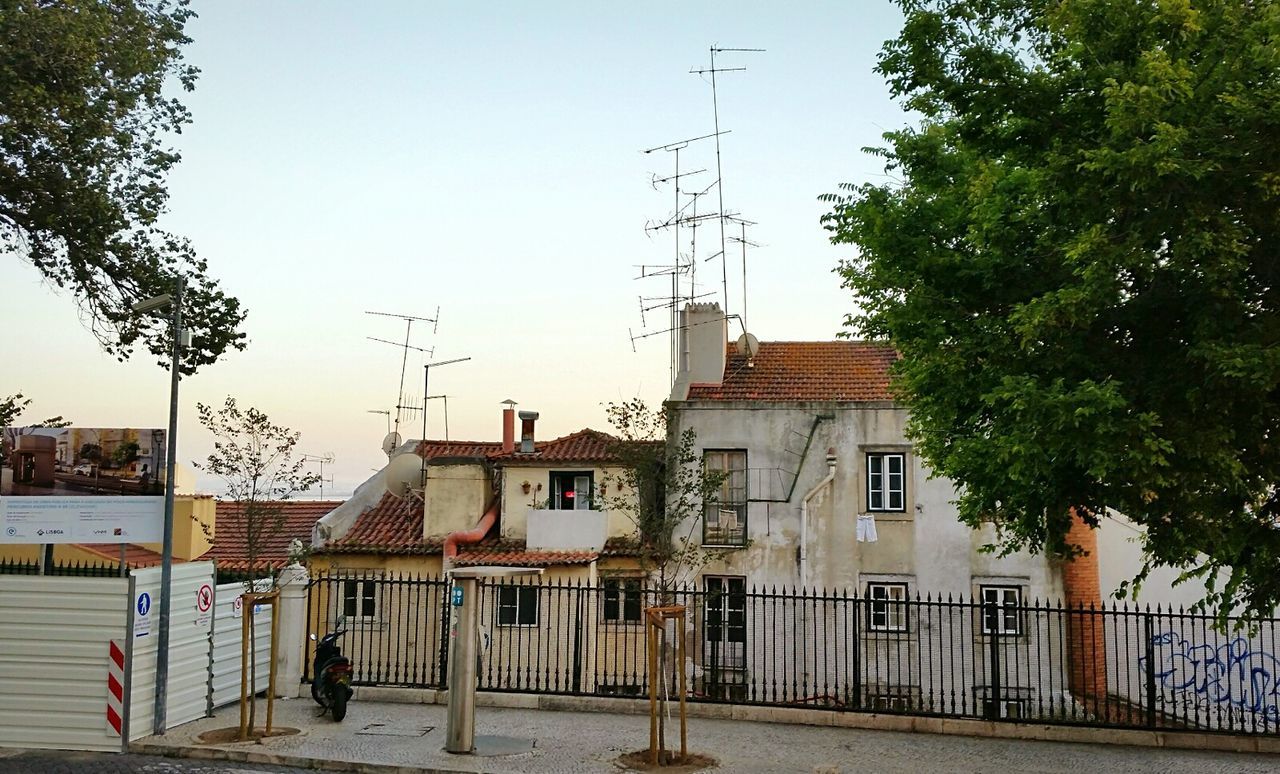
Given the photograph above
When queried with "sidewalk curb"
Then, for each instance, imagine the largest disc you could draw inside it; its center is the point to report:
(209, 753)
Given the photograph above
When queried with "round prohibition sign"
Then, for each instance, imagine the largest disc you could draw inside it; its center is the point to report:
(204, 598)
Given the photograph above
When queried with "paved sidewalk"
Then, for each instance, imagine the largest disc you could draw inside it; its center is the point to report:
(409, 738)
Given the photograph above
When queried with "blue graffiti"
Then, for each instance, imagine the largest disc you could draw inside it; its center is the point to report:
(1231, 675)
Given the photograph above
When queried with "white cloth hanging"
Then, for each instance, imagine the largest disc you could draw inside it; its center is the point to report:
(867, 528)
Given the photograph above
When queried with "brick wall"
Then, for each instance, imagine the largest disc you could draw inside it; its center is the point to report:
(1086, 643)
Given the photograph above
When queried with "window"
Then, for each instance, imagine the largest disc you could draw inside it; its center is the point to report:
(726, 624)
(571, 491)
(886, 482)
(622, 600)
(888, 702)
(359, 599)
(888, 609)
(619, 689)
(1006, 708)
(724, 520)
(517, 605)
(1000, 609)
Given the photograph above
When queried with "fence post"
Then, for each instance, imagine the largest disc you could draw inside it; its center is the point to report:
(577, 641)
(857, 654)
(993, 709)
(1148, 636)
(292, 611)
(443, 675)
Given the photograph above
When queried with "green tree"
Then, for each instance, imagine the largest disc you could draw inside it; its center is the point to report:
(658, 479)
(1076, 259)
(85, 122)
(125, 454)
(254, 457)
(12, 406)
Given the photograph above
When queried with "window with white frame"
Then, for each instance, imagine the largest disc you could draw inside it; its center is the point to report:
(887, 607)
(725, 624)
(571, 491)
(724, 520)
(622, 600)
(888, 702)
(886, 481)
(1000, 613)
(517, 605)
(1005, 708)
(359, 599)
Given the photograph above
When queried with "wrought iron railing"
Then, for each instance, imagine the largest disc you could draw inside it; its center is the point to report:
(81, 569)
(997, 657)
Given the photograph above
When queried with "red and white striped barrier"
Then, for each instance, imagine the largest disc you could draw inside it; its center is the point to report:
(115, 688)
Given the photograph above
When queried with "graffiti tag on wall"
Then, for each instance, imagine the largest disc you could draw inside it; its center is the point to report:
(1232, 677)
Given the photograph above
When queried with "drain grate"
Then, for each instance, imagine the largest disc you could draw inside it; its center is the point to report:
(387, 729)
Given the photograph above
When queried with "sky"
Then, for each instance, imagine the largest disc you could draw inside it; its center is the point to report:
(485, 160)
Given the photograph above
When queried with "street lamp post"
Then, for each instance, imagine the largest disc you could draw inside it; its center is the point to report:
(166, 556)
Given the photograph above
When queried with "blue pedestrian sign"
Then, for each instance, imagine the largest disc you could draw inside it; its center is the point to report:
(144, 603)
(457, 596)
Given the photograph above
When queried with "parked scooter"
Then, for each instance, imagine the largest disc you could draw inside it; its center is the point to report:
(331, 681)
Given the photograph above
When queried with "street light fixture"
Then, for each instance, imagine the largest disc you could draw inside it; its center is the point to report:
(166, 555)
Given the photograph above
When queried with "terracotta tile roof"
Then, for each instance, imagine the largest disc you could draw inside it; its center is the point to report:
(473, 449)
(586, 445)
(512, 553)
(230, 543)
(621, 546)
(134, 556)
(805, 370)
(393, 526)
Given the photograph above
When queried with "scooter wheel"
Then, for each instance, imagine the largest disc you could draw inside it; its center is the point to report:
(339, 702)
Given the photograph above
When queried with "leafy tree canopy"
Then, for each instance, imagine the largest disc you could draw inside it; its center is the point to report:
(255, 459)
(84, 127)
(660, 482)
(1076, 258)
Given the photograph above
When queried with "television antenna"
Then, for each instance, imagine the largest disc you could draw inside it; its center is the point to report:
(444, 398)
(715, 109)
(323, 459)
(409, 320)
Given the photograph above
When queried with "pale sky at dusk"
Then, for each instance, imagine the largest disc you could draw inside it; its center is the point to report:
(486, 159)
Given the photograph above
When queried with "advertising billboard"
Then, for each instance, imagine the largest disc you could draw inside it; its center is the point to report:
(81, 484)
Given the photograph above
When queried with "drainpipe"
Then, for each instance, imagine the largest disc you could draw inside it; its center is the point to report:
(804, 516)
(470, 535)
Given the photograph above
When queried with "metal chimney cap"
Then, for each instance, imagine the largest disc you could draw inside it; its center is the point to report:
(528, 415)
(509, 403)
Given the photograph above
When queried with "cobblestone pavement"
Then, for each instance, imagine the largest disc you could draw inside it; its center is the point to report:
(412, 735)
(56, 762)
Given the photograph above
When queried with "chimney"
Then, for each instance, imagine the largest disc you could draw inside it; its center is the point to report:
(704, 332)
(527, 418)
(508, 426)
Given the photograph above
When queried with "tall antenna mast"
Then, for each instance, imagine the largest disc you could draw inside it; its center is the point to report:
(404, 360)
(715, 108)
(680, 265)
(445, 398)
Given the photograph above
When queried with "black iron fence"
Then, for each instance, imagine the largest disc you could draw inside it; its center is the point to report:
(998, 656)
(80, 569)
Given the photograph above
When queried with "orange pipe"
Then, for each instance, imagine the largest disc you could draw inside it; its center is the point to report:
(471, 535)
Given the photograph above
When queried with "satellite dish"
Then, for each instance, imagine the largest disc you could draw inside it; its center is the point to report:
(390, 443)
(748, 345)
(404, 474)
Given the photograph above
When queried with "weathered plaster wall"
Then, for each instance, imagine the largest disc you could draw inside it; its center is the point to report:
(516, 503)
(457, 496)
(926, 545)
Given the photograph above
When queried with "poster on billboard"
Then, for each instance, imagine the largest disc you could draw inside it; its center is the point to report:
(81, 484)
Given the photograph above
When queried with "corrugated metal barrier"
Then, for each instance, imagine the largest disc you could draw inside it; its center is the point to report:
(55, 640)
(224, 668)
